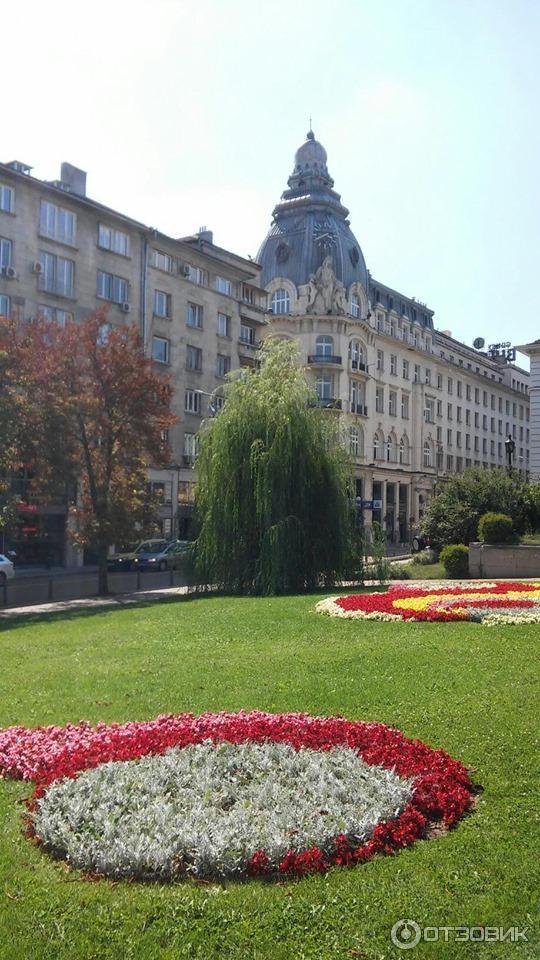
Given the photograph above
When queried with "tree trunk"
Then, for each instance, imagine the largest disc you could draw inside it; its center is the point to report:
(103, 575)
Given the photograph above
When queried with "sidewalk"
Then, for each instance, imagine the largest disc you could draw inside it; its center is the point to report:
(94, 603)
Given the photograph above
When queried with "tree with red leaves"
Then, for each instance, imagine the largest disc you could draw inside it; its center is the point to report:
(87, 413)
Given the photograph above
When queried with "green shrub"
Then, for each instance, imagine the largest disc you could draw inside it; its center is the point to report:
(398, 572)
(426, 557)
(496, 528)
(455, 559)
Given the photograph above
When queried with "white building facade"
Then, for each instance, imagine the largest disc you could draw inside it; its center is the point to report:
(416, 404)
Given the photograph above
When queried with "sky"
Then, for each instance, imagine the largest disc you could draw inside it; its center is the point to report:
(188, 113)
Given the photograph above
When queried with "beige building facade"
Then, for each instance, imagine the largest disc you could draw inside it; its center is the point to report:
(415, 404)
(198, 308)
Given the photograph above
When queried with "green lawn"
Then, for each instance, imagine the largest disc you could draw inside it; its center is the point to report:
(467, 688)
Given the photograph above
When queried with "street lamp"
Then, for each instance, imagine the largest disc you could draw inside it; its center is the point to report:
(510, 450)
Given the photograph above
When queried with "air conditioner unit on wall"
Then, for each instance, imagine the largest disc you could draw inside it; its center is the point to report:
(126, 307)
(37, 267)
(11, 273)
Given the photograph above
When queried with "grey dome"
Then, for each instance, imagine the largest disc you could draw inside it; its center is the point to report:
(309, 224)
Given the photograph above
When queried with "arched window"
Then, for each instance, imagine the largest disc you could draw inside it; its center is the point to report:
(378, 443)
(391, 450)
(355, 305)
(404, 450)
(281, 301)
(428, 459)
(324, 346)
(356, 355)
(354, 441)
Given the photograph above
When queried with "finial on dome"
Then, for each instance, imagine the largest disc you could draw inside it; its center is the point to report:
(310, 135)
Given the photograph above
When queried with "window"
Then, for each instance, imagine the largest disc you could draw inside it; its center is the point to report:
(192, 401)
(160, 349)
(450, 385)
(476, 395)
(280, 302)
(114, 240)
(103, 339)
(417, 373)
(247, 334)
(468, 391)
(57, 223)
(379, 399)
(458, 438)
(477, 419)
(439, 408)
(459, 415)
(355, 305)
(197, 275)
(191, 447)
(356, 355)
(224, 325)
(162, 304)
(429, 411)
(467, 441)
(404, 450)
(324, 346)
(392, 403)
(449, 462)
(405, 369)
(223, 286)
(7, 198)
(428, 376)
(427, 454)
(55, 314)
(484, 398)
(449, 438)
(354, 441)
(111, 287)
(393, 364)
(391, 448)
(6, 248)
(449, 406)
(324, 386)
(162, 261)
(193, 358)
(5, 305)
(380, 359)
(459, 386)
(405, 406)
(377, 447)
(223, 365)
(194, 315)
(357, 398)
(247, 293)
(468, 417)
(57, 274)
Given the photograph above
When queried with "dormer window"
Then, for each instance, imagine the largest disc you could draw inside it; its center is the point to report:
(280, 302)
(355, 305)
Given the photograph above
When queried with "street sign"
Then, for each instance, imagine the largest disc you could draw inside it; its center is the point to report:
(377, 504)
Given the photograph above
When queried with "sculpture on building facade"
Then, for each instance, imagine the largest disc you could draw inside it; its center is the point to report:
(326, 294)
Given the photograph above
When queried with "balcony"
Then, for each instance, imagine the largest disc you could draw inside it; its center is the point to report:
(322, 360)
(250, 345)
(359, 408)
(328, 403)
(358, 365)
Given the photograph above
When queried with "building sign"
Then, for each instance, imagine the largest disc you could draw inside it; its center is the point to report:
(377, 504)
(504, 351)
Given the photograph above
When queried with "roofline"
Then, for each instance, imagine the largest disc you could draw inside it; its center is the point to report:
(404, 296)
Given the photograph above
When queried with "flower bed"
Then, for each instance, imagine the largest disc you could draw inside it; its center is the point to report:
(230, 794)
(487, 603)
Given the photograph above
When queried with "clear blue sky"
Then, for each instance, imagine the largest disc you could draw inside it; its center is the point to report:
(188, 112)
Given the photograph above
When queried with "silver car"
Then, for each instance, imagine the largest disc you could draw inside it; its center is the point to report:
(7, 570)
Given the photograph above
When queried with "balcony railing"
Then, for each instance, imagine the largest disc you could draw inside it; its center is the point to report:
(250, 344)
(359, 408)
(323, 360)
(358, 365)
(329, 403)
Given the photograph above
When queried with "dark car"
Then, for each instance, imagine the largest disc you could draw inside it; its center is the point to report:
(168, 556)
(129, 559)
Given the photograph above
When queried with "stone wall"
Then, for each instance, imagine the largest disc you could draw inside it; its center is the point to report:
(502, 561)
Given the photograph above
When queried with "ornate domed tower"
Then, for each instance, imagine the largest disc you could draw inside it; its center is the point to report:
(310, 252)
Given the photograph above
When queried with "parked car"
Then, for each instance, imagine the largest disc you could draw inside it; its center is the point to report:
(7, 570)
(168, 557)
(128, 560)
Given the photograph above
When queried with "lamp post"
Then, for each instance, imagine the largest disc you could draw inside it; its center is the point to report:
(510, 450)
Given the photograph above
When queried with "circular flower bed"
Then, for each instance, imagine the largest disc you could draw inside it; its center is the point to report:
(226, 795)
(487, 603)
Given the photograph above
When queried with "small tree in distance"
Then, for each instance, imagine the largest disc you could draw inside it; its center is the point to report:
(91, 412)
(453, 514)
(273, 484)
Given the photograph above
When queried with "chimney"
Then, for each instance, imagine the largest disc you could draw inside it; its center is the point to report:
(74, 179)
(204, 234)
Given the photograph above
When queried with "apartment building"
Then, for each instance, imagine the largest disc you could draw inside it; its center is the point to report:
(416, 404)
(199, 309)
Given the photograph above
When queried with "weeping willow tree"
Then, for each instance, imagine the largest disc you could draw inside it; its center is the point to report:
(273, 488)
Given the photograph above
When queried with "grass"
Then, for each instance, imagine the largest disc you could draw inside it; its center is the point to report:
(426, 571)
(464, 687)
